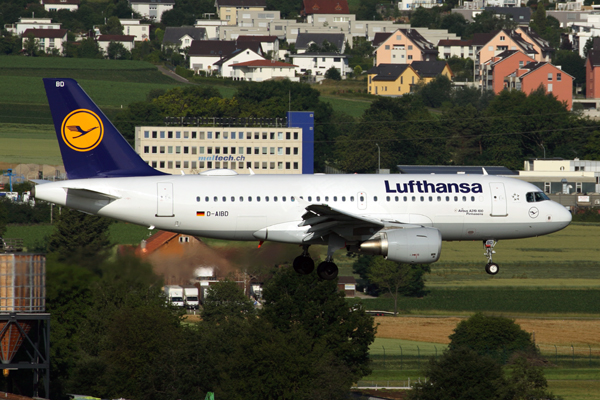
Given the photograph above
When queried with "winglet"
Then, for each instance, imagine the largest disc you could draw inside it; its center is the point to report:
(89, 143)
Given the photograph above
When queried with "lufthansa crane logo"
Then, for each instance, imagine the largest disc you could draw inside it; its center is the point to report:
(82, 130)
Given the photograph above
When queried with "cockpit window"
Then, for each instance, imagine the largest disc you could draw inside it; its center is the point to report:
(533, 197)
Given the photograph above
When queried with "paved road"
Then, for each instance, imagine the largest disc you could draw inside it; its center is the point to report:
(166, 71)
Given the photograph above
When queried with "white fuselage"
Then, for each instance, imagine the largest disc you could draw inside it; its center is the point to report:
(270, 207)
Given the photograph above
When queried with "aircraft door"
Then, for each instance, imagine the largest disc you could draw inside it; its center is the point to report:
(361, 200)
(498, 200)
(165, 199)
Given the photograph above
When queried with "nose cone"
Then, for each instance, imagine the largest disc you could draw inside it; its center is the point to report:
(561, 216)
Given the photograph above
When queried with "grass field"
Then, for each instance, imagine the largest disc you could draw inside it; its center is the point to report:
(29, 144)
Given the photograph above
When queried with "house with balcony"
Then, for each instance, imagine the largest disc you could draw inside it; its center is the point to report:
(225, 65)
(502, 65)
(152, 9)
(318, 11)
(57, 5)
(47, 40)
(533, 75)
(403, 47)
(540, 45)
(227, 10)
(319, 63)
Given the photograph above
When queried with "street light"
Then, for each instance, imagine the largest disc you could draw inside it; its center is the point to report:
(378, 158)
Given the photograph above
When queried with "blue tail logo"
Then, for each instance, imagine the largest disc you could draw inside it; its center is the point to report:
(90, 145)
(82, 130)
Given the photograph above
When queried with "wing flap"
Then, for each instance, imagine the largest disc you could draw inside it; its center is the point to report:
(324, 220)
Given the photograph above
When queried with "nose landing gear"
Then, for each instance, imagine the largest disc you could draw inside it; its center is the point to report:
(491, 267)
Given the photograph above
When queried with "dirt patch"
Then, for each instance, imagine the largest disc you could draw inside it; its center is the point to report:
(437, 329)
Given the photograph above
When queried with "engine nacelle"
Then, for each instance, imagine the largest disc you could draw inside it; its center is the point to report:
(419, 245)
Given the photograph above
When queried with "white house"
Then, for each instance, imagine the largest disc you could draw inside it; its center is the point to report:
(126, 40)
(319, 63)
(152, 9)
(31, 23)
(135, 28)
(57, 5)
(212, 27)
(406, 5)
(204, 53)
(46, 39)
(225, 66)
(267, 43)
(262, 70)
(182, 37)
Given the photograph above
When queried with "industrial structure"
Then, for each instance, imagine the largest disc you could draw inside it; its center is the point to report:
(24, 325)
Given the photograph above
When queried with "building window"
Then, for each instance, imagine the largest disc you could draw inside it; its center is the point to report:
(550, 76)
(558, 76)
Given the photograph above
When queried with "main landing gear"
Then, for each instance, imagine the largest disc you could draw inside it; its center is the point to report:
(491, 267)
(304, 265)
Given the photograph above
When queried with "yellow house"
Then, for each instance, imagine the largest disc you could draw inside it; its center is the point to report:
(227, 9)
(400, 79)
(392, 79)
(428, 70)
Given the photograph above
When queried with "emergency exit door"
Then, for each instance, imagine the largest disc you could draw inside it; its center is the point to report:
(165, 199)
(498, 199)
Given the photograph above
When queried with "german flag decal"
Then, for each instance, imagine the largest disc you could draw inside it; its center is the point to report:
(199, 213)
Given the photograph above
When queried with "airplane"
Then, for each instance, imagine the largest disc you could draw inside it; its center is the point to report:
(404, 218)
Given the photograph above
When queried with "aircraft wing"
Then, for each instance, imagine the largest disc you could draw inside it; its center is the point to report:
(91, 194)
(324, 219)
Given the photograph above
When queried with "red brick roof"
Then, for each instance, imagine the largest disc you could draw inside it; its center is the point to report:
(46, 33)
(60, 1)
(157, 240)
(263, 63)
(326, 7)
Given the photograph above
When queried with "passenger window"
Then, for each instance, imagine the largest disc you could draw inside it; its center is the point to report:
(274, 198)
(309, 198)
(422, 198)
(198, 199)
(334, 198)
(267, 199)
(439, 198)
(447, 198)
(387, 198)
(405, 198)
(257, 198)
(374, 198)
(292, 198)
(232, 198)
(241, 198)
(414, 198)
(352, 199)
(472, 198)
(465, 198)
(326, 198)
(396, 199)
(206, 199)
(216, 199)
(249, 198)
(430, 198)
(283, 198)
(224, 199)
(455, 198)
(343, 198)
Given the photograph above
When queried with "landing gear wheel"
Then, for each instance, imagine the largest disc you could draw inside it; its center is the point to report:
(492, 268)
(327, 271)
(304, 265)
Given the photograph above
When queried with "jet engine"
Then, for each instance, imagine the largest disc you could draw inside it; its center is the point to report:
(419, 245)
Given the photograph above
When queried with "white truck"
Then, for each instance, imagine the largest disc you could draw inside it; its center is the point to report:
(190, 293)
(175, 295)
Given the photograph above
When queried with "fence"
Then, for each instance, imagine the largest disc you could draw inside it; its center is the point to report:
(415, 357)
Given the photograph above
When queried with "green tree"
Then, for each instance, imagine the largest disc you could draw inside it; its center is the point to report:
(30, 45)
(333, 73)
(461, 374)
(496, 337)
(225, 300)
(367, 10)
(538, 23)
(389, 276)
(137, 114)
(116, 51)
(357, 71)
(572, 63)
(88, 48)
(436, 92)
(113, 26)
(527, 381)
(317, 308)
(80, 238)
(3, 218)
